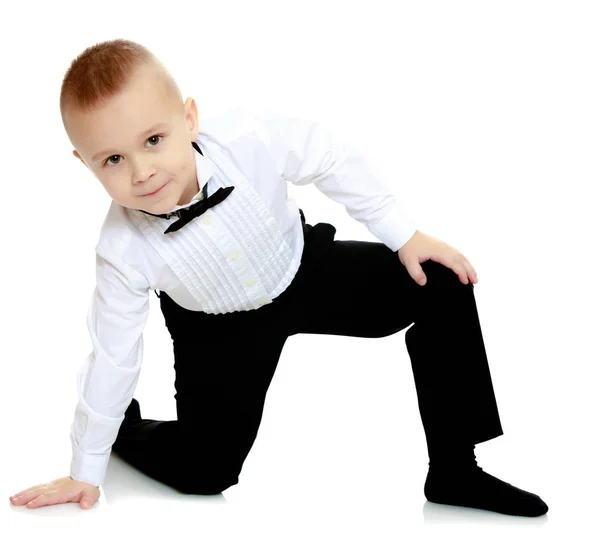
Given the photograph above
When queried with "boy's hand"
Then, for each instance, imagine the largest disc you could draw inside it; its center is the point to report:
(421, 247)
(61, 490)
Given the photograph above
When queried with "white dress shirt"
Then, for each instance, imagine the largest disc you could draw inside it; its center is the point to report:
(239, 255)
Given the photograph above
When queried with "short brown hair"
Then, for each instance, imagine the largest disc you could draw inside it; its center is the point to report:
(102, 70)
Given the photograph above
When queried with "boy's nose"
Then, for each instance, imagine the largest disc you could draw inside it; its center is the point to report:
(143, 177)
(142, 169)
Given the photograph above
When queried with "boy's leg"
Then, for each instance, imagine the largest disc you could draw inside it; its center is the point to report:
(361, 289)
(223, 365)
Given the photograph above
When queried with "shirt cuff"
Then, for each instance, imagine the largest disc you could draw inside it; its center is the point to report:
(92, 436)
(90, 468)
(394, 229)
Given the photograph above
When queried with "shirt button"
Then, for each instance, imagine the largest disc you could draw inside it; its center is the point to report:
(234, 256)
(206, 219)
(249, 283)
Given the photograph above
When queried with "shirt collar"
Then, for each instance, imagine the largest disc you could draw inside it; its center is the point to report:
(205, 168)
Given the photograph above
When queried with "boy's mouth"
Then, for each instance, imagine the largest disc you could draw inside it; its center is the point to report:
(156, 190)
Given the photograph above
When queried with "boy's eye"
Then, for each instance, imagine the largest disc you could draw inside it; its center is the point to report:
(112, 160)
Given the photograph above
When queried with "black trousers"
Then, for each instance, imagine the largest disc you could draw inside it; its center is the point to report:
(224, 363)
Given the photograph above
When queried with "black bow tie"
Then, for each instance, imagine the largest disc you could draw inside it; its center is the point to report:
(186, 214)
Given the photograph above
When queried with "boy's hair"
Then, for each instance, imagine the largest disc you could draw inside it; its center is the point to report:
(102, 70)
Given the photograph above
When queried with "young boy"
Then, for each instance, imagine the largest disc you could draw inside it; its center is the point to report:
(203, 219)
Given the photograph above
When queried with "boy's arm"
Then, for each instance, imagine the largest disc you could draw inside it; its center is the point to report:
(306, 152)
(107, 380)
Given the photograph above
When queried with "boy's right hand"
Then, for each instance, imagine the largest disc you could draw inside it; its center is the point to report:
(61, 490)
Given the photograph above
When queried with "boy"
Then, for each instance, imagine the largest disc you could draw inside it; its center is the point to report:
(203, 218)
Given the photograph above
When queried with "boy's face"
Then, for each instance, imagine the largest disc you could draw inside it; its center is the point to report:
(124, 146)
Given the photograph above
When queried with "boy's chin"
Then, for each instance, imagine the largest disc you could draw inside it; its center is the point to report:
(156, 208)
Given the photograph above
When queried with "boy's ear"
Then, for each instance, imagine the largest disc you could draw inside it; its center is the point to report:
(76, 154)
(191, 116)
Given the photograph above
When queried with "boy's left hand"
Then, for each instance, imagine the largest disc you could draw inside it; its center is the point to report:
(421, 247)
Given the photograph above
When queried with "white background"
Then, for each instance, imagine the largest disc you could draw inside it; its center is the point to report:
(484, 118)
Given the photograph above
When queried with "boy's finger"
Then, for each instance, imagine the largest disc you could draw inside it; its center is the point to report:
(85, 504)
(41, 500)
(414, 269)
(25, 496)
(34, 502)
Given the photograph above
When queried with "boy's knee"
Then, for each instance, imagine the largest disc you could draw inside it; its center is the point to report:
(441, 276)
(206, 473)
